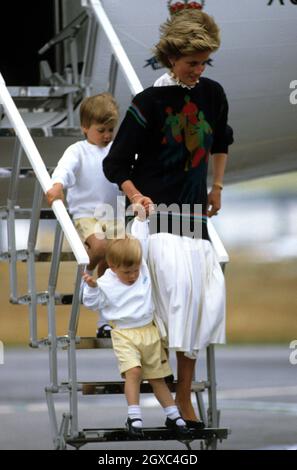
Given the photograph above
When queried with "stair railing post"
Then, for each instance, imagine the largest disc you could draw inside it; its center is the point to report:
(113, 73)
(212, 389)
(51, 307)
(11, 203)
(74, 59)
(72, 365)
(32, 237)
(89, 53)
(69, 99)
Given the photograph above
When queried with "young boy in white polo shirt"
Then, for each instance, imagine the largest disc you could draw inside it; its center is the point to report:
(80, 172)
(123, 296)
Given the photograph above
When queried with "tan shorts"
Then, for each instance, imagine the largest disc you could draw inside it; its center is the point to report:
(87, 226)
(141, 347)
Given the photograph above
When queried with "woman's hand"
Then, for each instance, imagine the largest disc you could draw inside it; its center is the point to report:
(214, 202)
(142, 206)
(89, 280)
(56, 192)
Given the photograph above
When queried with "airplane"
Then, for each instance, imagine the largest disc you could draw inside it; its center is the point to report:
(256, 65)
(53, 64)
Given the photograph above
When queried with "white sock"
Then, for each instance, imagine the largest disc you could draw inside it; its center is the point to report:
(134, 412)
(173, 413)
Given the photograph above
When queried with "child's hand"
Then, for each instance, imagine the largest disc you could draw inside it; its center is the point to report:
(89, 280)
(56, 192)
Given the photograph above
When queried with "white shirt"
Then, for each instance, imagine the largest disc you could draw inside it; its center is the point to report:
(80, 172)
(165, 80)
(129, 306)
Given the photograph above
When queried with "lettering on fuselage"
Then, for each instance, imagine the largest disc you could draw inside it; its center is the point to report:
(1, 353)
(293, 94)
(293, 354)
(281, 2)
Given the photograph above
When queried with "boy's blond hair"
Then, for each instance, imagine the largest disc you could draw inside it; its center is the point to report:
(123, 252)
(186, 33)
(99, 109)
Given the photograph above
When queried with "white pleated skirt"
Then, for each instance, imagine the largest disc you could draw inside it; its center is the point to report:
(188, 291)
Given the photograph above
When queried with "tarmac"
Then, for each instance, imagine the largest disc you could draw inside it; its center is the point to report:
(257, 396)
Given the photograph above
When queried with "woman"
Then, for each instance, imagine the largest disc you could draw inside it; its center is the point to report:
(174, 127)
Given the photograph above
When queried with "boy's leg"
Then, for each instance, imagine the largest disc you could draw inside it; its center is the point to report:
(162, 392)
(163, 395)
(101, 267)
(96, 251)
(132, 387)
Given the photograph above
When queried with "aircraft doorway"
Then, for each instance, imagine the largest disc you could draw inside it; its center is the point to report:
(25, 27)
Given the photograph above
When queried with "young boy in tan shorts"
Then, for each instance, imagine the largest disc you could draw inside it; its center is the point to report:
(123, 296)
(80, 172)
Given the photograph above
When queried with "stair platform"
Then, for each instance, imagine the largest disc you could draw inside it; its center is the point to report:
(80, 343)
(117, 387)
(50, 141)
(44, 244)
(91, 342)
(87, 436)
(43, 297)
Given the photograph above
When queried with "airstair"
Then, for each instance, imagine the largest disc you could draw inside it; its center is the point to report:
(24, 219)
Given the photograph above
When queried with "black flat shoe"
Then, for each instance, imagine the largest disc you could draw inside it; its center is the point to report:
(194, 424)
(104, 331)
(181, 431)
(133, 431)
(169, 379)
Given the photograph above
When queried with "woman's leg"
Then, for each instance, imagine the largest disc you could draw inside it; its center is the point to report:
(163, 395)
(185, 373)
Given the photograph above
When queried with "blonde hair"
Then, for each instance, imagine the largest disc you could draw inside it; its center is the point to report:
(124, 252)
(187, 32)
(99, 109)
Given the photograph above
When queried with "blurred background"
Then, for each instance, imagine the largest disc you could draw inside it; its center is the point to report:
(258, 226)
(257, 223)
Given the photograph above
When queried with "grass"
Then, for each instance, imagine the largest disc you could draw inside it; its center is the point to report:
(261, 302)
(281, 183)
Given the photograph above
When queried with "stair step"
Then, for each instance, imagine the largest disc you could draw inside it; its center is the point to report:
(62, 341)
(45, 236)
(81, 343)
(21, 255)
(91, 342)
(31, 92)
(46, 256)
(114, 388)
(150, 434)
(24, 214)
(42, 299)
(50, 141)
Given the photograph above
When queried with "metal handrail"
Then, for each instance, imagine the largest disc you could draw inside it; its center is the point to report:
(70, 31)
(217, 244)
(42, 173)
(118, 50)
